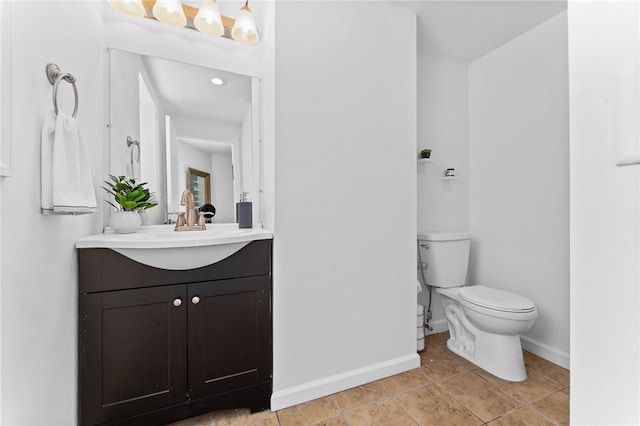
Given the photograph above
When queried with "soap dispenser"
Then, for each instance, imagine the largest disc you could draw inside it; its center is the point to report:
(244, 211)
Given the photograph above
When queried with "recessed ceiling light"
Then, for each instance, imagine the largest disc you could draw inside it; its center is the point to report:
(218, 81)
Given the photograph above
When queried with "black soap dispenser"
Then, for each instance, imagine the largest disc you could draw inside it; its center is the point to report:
(244, 211)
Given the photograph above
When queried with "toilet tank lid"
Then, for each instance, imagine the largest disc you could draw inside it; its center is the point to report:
(443, 236)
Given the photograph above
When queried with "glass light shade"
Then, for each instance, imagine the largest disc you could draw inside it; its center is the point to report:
(244, 30)
(208, 19)
(128, 7)
(170, 12)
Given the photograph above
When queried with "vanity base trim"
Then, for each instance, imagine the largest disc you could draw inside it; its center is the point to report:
(255, 397)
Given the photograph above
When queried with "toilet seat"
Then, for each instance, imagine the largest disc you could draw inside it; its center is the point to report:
(493, 299)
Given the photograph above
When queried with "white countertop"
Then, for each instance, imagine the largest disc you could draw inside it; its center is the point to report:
(164, 236)
(162, 247)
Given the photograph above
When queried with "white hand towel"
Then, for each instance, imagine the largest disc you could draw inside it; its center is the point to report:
(67, 187)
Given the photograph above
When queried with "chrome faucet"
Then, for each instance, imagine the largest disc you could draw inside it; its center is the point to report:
(188, 223)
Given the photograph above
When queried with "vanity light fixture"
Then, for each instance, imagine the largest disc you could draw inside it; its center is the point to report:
(128, 7)
(244, 30)
(170, 12)
(206, 19)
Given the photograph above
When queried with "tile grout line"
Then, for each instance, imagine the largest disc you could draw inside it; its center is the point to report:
(439, 383)
(406, 412)
(442, 388)
(535, 410)
(395, 399)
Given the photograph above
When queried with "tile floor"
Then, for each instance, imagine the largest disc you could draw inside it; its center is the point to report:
(446, 390)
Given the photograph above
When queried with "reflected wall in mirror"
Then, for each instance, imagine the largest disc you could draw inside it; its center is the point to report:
(184, 121)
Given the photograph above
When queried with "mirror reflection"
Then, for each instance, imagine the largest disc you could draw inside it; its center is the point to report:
(194, 127)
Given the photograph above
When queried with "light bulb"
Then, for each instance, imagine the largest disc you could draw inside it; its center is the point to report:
(128, 7)
(208, 19)
(170, 12)
(244, 30)
(218, 81)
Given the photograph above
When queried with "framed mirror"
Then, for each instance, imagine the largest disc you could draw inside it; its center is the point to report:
(186, 127)
(199, 183)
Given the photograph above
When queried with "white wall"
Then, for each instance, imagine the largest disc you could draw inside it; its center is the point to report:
(198, 128)
(124, 118)
(605, 217)
(222, 189)
(246, 157)
(5, 26)
(219, 167)
(174, 188)
(345, 161)
(519, 179)
(223, 179)
(442, 126)
(152, 158)
(39, 270)
(189, 156)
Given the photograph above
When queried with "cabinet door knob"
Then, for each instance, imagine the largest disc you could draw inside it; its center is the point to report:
(195, 300)
(177, 302)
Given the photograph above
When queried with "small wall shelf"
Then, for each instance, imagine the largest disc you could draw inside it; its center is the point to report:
(425, 160)
(450, 177)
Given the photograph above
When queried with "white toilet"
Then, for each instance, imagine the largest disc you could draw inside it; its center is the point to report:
(484, 323)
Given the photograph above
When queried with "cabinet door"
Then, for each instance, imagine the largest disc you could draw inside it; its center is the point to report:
(132, 351)
(229, 335)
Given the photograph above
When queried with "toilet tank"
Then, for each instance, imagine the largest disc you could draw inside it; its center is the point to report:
(446, 255)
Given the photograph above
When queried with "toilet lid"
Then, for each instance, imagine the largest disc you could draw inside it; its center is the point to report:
(493, 298)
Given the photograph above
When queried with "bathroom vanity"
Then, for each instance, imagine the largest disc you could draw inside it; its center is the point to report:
(161, 344)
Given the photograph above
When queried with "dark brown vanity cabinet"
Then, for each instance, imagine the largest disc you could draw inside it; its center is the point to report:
(161, 345)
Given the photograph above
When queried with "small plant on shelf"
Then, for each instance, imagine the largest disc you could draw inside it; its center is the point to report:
(128, 194)
(425, 153)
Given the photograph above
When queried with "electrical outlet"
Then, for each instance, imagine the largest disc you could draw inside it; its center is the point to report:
(429, 315)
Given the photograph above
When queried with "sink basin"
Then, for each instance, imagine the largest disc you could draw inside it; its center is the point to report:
(162, 247)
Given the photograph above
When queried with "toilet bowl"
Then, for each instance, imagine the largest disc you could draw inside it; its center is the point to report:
(484, 323)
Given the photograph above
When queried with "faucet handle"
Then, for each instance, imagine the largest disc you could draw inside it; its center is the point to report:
(181, 221)
(201, 221)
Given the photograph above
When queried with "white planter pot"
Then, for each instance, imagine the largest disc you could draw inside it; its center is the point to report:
(144, 217)
(125, 222)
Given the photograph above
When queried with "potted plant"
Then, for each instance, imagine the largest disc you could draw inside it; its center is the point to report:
(425, 153)
(130, 198)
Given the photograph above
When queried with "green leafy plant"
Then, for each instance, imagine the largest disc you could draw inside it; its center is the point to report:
(425, 153)
(128, 194)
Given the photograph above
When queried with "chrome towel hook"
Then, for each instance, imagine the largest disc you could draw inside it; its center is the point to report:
(133, 144)
(55, 75)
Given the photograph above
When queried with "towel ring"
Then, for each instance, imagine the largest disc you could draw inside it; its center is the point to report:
(55, 76)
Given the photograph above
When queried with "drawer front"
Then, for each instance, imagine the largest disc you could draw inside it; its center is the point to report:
(104, 269)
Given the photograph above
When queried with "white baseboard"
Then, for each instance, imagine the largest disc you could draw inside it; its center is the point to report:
(545, 351)
(339, 382)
